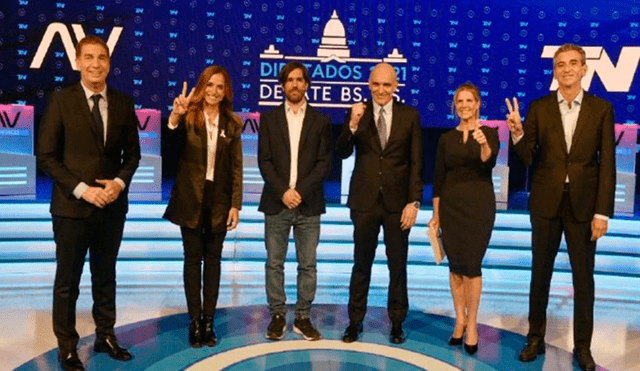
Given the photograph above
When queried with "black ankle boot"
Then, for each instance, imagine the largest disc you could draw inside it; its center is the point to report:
(209, 335)
(195, 333)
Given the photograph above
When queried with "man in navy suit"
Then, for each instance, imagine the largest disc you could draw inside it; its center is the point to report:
(294, 156)
(385, 190)
(88, 144)
(570, 138)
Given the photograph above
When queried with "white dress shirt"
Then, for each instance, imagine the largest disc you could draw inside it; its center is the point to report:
(294, 123)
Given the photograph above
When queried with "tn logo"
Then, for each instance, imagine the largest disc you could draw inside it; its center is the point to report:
(614, 78)
(6, 122)
(61, 29)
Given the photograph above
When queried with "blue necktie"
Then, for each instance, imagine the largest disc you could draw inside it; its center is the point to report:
(97, 117)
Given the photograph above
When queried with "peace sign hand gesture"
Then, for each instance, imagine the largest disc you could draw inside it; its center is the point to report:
(513, 118)
(180, 104)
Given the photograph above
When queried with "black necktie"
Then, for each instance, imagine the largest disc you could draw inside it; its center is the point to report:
(97, 117)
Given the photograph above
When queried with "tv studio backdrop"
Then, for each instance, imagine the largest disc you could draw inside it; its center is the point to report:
(505, 49)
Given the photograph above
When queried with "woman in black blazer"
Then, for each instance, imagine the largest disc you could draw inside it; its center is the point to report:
(207, 194)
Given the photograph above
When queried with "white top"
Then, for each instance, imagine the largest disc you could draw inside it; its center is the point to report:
(212, 144)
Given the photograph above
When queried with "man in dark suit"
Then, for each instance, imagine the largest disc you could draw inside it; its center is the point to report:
(88, 144)
(569, 136)
(294, 156)
(385, 190)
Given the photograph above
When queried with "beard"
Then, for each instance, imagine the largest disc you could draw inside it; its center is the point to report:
(295, 96)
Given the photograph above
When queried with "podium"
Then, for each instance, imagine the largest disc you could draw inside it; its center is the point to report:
(626, 149)
(252, 181)
(146, 184)
(17, 158)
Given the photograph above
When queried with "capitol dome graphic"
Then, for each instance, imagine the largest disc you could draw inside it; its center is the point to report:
(334, 41)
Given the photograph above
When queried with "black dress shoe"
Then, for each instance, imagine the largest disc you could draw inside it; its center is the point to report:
(585, 360)
(70, 361)
(109, 345)
(397, 335)
(471, 349)
(195, 332)
(531, 351)
(351, 333)
(209, 336)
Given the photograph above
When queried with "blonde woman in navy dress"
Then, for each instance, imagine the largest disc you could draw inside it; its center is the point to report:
(464, 206)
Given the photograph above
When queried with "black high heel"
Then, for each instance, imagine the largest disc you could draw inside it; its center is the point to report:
(453, 341)
(471, 349)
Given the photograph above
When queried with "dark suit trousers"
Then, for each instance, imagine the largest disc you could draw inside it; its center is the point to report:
(100, 234)
(365, 235)
(546, 238)
(202, 244)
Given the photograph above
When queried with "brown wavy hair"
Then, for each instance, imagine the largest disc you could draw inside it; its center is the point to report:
(195, 114)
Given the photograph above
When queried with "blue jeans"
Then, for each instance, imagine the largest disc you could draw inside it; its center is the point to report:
(306, 234)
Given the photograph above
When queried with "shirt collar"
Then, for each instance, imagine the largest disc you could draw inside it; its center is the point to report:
(577, 99)
(88, 92)
(215, 121)
(301, 110)
(387, 107)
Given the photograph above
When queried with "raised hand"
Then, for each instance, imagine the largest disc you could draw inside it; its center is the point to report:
(356, 114)
(479, 136)
(513, 118)
(181, 102)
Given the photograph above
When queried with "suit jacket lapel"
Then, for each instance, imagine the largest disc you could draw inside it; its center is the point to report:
(281, 120)
(582, 119)
(86, 116)
(556, 122)
(114, 111)
(307, 122)
(395, 123)
(223, 121)
(367, 122)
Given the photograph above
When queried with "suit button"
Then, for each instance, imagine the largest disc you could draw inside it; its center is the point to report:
(380, 173)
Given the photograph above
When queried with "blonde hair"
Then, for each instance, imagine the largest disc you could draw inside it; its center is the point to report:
(470, 87)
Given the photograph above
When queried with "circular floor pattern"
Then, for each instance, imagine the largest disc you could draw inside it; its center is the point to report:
(161, 345)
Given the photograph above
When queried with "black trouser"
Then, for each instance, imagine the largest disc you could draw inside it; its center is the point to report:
(202, 244)
(365, 235)
(546, 236)
(100, 234)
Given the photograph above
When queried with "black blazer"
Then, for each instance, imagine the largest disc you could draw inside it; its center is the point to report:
(274, 160)
(590, 162)
(395, 172)
(70, 149)
(185, 204)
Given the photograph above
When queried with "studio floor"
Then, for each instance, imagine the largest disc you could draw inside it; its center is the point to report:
(152, 319)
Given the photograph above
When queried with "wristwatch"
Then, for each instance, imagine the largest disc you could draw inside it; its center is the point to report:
(416, 204)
